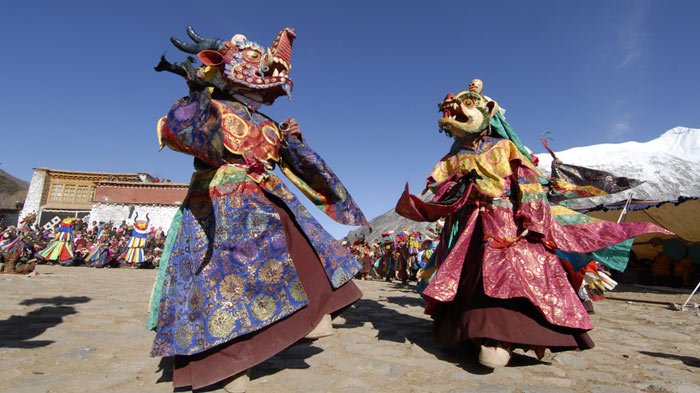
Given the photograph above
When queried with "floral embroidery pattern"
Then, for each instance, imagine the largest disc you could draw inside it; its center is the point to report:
(230, 266)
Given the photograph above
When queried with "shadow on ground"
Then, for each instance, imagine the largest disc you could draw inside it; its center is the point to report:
(56, 301)
(687, 360)
(293, 357)
(638, 288)
(165, 368)
(18, 330)
(395, 326)
(391, 325)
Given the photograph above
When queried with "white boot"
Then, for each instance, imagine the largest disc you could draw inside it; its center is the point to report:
(494, 357)
(238, 383)
(323, 329)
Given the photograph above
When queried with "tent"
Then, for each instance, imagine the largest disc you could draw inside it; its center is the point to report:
(681, 216)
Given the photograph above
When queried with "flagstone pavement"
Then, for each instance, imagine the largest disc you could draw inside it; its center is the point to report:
(75, 329)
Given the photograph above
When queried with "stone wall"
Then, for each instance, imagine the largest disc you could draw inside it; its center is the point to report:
(34, 195)
(160, 215)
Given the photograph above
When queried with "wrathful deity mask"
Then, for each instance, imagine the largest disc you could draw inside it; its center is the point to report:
(239, 67)
(467, 113)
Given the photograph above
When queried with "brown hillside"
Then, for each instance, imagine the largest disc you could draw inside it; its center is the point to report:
(12, 190)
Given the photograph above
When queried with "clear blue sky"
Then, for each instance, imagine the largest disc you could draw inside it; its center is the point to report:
(79, 91)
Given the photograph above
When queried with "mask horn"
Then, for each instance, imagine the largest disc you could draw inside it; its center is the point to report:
(200, 43)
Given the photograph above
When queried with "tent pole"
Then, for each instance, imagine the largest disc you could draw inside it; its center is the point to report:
(624, 209)
(691, 295)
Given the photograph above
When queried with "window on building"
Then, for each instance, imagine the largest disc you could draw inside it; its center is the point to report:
(84, 194)
(69, 192)
(56, 193)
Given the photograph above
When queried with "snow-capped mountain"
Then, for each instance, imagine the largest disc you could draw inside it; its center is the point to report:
(669, 166)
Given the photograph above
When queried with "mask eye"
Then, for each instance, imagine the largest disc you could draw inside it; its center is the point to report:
(252, 55)
(468, 103)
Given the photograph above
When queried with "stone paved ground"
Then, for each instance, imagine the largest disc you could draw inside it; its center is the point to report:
(82, 330)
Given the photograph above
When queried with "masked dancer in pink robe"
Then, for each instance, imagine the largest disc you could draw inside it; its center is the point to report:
(499, 282)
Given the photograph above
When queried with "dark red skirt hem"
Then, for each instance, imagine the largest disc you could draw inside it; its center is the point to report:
(474, 316)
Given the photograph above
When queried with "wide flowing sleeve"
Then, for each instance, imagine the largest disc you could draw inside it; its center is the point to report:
(310, 173)
(193, 126)
(564, 229)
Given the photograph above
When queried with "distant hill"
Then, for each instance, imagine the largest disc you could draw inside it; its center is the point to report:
(12, 190)
(390, 221)
(669, 166)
